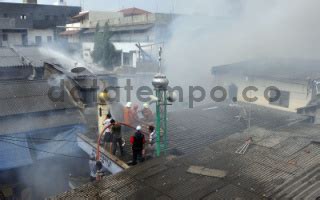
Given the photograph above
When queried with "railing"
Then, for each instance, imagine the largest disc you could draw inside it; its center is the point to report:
(12, 23)
(131, 20)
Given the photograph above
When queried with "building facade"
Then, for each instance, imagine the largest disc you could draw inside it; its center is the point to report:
(32, 24)
(284, 84)
(135, 33)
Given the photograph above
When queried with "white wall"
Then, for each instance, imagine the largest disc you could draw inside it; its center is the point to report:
(99, 16)
(298, 91)
(13, 39)
(87, 48)
(73, 26)
(44, 33)
(126, 47)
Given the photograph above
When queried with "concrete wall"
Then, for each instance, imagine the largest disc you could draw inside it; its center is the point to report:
(99, 16)
(299, 96)
(13, 39)
(32, 33)
(145, 36)
(87, 48)
(124, 47)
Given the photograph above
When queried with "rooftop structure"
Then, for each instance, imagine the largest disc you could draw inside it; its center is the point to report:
(31, 23)
(285, 70)
(296, 80)
(28, 111)
(266, 170)
(133, 11)
(13, 66)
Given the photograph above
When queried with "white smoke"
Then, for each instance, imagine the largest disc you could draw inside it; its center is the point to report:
(219, 32)
(67, 60)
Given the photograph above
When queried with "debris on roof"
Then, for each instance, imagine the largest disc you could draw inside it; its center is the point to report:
(207, 172)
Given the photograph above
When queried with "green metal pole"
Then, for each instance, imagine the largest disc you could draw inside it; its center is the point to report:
(165, 122)
(158, 121)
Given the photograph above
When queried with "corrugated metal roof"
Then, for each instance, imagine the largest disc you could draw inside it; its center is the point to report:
(256, 174)
(34, 55)
(20, 97)
(71, 32)
(25, 124)
(289, 69)
(8, 58)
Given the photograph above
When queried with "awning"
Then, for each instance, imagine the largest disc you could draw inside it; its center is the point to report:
(70, 32)
(80, 15)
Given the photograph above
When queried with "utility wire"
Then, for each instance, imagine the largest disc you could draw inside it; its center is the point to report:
(35, 138)
(40, 150)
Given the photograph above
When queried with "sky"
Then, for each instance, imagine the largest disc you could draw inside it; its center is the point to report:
(150, 5)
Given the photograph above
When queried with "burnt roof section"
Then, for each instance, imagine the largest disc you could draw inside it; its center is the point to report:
(26, 97)
(281, 163)
(292, 70)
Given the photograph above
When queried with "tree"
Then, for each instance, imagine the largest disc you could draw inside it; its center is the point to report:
(104, 51)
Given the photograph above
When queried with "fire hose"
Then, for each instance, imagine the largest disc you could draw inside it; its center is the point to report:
(100, 136)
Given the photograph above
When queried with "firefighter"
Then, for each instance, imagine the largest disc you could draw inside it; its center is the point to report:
(135, 117)
(137, 141)
(127, 113)
(147, 113)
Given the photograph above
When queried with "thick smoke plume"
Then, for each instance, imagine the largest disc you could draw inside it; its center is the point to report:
(216, 32)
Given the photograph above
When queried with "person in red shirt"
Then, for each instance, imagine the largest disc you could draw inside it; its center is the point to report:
(137, 141)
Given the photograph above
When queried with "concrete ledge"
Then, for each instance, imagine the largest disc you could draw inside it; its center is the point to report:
(111, 162)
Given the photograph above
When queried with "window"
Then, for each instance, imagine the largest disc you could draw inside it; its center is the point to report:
(23, 17)
(38, 40)
(55, 18)
(283, 99)
(49, 39)
(5, 15)
(127, 59)
(4, 37)
(47, 17)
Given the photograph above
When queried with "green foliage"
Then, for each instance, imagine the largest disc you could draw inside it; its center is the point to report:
(104, 51)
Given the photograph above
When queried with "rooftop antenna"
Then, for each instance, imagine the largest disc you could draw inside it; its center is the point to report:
(172, 6)
(81, 4)
(160, 59)
(156, 5)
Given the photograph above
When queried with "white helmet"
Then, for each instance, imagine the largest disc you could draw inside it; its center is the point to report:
(146, 105)
(128, 105)
(138, 128)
